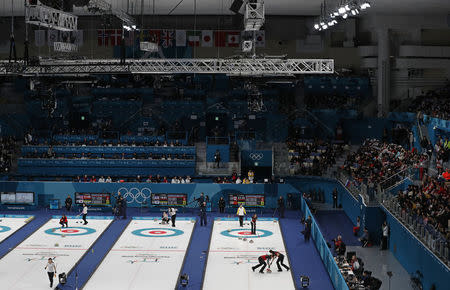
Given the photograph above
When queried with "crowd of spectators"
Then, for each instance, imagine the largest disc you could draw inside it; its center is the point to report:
(149, 179)
(376, 161)
(433, 103)
(7, 147)
(123, 156)
(313, 157)
(429, 204)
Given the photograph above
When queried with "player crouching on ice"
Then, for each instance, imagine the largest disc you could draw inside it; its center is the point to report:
(262, 262)
(280, 259)
(63, 221)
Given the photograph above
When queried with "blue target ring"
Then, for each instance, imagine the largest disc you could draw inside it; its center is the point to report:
(246, 233)
(157, 232)
(4, 229)
(70, 231)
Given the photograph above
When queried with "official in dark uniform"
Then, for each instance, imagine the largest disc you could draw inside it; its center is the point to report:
(68, 203)
(201, 199)
(221, 205)
(280, 260)
(281, 207)
(203, 221)
(335, 198)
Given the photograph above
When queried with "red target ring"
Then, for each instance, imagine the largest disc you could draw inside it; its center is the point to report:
(69, 231)
(157, 232)
(245, 233)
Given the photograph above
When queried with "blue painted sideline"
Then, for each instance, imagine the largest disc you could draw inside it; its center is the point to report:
(304, 258)
(196, 255)
(20, 235)
(89, 264)
(288, 259)
(89, 255)
(325, 253)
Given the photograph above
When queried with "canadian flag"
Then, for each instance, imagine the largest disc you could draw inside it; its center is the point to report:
(233, 39)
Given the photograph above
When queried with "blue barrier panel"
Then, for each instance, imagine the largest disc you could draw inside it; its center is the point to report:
(414, 256)
(325, 253)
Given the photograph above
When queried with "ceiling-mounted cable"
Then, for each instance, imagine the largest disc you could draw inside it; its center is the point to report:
(175, 7)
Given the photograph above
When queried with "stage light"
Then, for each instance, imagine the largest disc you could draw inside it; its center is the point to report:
(336, 13)
(365, 5)
(133, 26)
(316, 26)
(345, 16)
(355, 11)
(322, 23)
(341, 10)
(325, 26)
(332, 15)
(347, 8)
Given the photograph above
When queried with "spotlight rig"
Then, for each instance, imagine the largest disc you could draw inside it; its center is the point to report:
(328, 18)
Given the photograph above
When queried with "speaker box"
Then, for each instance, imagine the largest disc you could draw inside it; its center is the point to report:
(236, 6)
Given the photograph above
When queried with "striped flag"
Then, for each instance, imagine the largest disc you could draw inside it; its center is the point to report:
(193, 37)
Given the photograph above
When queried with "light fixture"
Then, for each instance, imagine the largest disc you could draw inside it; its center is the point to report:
(355, 11)
(325, 26)
(322, 23)
(345, 16)
(316, 26)
(364, 5)
(336, 13)
(341, 10)
(347, 8)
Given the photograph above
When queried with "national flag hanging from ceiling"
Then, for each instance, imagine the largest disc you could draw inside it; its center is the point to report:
(167, 38)
(193, 37)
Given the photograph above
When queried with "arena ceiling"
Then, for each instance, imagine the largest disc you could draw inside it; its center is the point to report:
(273, 7)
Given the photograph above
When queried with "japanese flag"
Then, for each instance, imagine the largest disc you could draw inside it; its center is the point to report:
(260, 38)
(207, 38)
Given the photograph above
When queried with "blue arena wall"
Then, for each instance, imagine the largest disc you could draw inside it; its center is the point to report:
(413, 255)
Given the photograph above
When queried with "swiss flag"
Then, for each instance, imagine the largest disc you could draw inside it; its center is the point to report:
(233, 39)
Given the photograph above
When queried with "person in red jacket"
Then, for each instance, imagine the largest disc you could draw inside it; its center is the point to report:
(63, 221)
(262, 262)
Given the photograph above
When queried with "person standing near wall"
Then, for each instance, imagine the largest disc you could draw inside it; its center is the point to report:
(241, 214)
(307, 232)
(221, 205)
(68, 203)
(203, 221)
(84, 213)
(173, 215)
(384, 239)
(281, 207)
(335, 198)
(357, 227)
(51, 270)
(253, 224)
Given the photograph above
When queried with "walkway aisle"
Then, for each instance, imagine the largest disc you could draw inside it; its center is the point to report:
(304, 257)
(195, 260)
(86, 267)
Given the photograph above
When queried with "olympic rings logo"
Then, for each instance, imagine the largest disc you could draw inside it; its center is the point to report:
(256, 156)
(135, 194)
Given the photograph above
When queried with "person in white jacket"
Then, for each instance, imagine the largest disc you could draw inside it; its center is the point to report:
(241, 214)
(84, 213)
(173, 215)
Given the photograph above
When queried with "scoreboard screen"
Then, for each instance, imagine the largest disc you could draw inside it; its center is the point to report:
(98, 199)
(169, 199)
(246, 199)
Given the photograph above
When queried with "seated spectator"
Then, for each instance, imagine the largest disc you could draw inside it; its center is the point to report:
(364, 239)
(357, 266)
(101, 179)
(238, 180)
